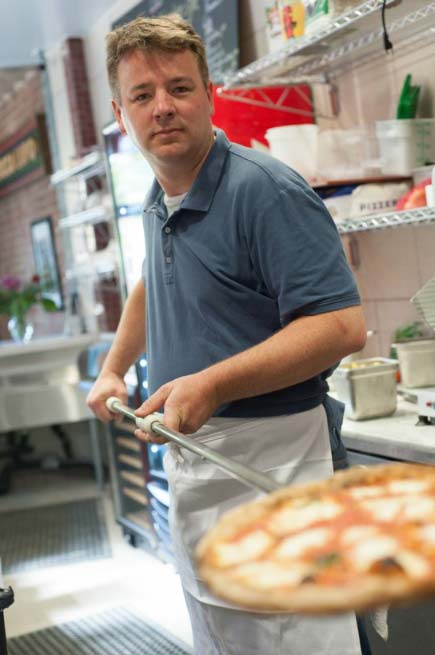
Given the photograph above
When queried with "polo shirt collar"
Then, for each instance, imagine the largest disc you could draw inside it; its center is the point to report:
(204, 186)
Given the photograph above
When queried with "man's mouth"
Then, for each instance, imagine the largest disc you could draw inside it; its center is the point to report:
(166, 132)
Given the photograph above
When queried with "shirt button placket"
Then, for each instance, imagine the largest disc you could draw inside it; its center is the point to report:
(167, 251)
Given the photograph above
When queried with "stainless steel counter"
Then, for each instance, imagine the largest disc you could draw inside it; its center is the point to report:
(395, 436)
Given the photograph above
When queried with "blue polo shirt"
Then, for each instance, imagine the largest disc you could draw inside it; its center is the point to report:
(251, 249)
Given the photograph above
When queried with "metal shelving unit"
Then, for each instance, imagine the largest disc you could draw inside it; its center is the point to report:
(87, 234)
(90, 216)
(423, 215)
(90, 165)
(350, 39)
(129, 470)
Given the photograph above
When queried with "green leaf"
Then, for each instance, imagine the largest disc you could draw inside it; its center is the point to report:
(410, 331)
(328, 559)
(48, 304)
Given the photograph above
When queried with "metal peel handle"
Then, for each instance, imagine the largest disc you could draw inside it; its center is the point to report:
(114, 405)
(153, 423)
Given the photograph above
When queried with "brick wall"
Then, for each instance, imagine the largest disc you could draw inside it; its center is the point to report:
(29, 203)
(79, 97)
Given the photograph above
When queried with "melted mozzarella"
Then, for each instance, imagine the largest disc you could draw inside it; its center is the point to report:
(294, 518)
(249, 547)
(358, 533)
(416, 507)
(383, 509)
(366, 492)
(298, 544)
(408, 486)
(364, 554)
(427, 533)
(413, 564)
(267, 575)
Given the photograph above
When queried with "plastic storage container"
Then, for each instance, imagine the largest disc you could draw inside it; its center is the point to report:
(296, 146)
(341, 153)
(417, 362)
(367, 387)
(405, 144)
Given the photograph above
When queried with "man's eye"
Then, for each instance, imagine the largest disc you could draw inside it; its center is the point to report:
(181, 89)
(142, 97)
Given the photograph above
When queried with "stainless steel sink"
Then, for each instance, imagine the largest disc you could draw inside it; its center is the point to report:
(39, 382)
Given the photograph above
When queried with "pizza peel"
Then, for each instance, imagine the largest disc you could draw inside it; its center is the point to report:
(260, 482)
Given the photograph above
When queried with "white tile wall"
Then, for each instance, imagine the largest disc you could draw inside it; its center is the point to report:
(391, 315)
(425, 245)
(394, 264)
(388, 266)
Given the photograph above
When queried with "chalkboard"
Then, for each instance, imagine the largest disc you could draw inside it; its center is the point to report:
(217, 21)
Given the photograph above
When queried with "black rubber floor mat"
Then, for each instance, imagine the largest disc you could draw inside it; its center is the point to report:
(54, 535)
(113, 632)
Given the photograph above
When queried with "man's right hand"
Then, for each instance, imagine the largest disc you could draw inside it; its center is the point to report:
(106, 385)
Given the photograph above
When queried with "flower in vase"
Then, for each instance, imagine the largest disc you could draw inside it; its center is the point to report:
(16, 298)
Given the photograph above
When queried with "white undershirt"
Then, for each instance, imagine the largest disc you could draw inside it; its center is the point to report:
(173, 202)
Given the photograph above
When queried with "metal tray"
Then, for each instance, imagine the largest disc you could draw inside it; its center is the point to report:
(368, 387)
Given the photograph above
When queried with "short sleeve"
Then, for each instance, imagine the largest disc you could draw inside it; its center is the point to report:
(297, 252)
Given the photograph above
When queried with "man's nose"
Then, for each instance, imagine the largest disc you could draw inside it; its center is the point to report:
(163, 105)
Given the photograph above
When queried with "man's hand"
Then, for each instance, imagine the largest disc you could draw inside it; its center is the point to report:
(188, 403)
(106, 385)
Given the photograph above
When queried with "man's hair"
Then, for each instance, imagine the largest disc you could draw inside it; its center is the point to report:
(169, 33)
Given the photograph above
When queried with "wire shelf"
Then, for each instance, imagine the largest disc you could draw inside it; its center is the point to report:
(89, 216)
(92, 164)
(350, 39)
(423, 215)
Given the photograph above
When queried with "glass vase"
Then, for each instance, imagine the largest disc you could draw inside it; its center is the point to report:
(20, 328)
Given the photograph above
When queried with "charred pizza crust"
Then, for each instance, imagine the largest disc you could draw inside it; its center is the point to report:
(237, 558)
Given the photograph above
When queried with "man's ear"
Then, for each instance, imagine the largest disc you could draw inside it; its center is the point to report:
(118, 115)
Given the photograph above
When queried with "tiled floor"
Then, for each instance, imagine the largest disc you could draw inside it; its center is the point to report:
(130, 578)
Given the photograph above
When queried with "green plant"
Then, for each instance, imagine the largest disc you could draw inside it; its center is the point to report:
(17, 298)
(411, 331)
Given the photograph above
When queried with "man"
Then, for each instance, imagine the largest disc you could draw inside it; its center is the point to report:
(246, 303)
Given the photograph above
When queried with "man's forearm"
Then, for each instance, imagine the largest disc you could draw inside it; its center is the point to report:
(129, 340)
(301, 350)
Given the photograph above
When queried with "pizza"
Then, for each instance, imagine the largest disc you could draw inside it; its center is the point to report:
(363, 538)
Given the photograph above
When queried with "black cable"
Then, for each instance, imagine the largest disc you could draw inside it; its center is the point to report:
(387, 43)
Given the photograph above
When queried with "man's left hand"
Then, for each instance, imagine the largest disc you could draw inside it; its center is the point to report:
(188, 403)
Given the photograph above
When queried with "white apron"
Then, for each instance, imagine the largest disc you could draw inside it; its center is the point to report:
(290, 449)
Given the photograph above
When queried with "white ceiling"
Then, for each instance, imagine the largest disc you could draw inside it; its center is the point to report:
(29, 25)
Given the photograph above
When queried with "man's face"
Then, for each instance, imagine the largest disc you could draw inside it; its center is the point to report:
(164, 106)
